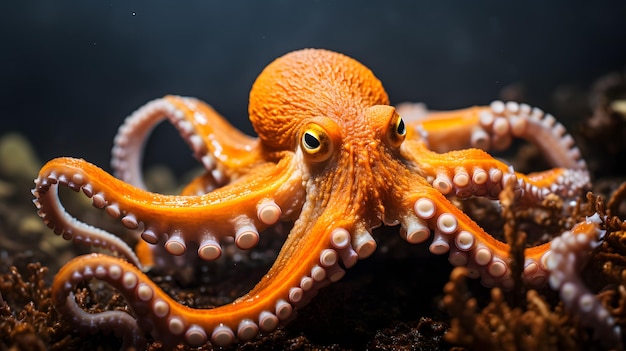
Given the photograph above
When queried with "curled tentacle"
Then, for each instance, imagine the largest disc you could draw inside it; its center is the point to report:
(223, 150)
(54, 215)
(493, 127)
(240, 210)
(121, 324)
(536, 126)
(569, 253)
(314, 255)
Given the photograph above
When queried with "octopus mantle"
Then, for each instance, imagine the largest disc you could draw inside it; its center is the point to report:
(333, 158)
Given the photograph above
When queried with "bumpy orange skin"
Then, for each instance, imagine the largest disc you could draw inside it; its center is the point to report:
(306, 84)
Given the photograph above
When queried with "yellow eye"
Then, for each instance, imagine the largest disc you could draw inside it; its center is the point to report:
(397, 130)
(316, 143)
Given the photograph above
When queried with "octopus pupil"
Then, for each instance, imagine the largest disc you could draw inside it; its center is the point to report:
(401, 129)
(310, 141)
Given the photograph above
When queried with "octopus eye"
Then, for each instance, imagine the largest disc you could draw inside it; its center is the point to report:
(316, 143)
(397, 130)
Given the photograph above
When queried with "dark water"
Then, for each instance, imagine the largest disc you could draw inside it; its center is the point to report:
(70, 71)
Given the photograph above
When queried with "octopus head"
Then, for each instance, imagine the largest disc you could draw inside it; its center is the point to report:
(314, 99)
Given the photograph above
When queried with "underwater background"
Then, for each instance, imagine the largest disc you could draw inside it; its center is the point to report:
(71, 71)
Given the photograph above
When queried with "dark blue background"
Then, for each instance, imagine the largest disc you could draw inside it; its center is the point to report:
(71, 71)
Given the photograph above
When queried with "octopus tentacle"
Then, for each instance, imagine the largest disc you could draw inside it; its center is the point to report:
(568, 254)
(473, 172)
(467, 243)
(223, 150)
(240, 209)
(493, 127)
(55, 217)
(201, 185)
(309, 260)
(120, 323)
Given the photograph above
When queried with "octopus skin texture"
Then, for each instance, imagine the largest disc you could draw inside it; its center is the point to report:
(334, 160)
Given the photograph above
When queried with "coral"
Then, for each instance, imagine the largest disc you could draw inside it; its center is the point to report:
(541, 321)
(27, 315)
(521, 323)
(498, 326)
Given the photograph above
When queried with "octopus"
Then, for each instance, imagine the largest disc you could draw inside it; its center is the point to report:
(333, 160)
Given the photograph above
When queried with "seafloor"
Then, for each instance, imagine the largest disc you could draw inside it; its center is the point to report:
(401, 298)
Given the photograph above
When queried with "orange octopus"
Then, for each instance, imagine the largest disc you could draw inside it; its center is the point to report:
(332, 158)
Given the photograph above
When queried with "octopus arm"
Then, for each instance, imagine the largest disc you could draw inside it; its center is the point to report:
(570, 252)
(308, 261)
(473, 172)
(467, 243)
(494, 127)
(223, 150)
(240, 209)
